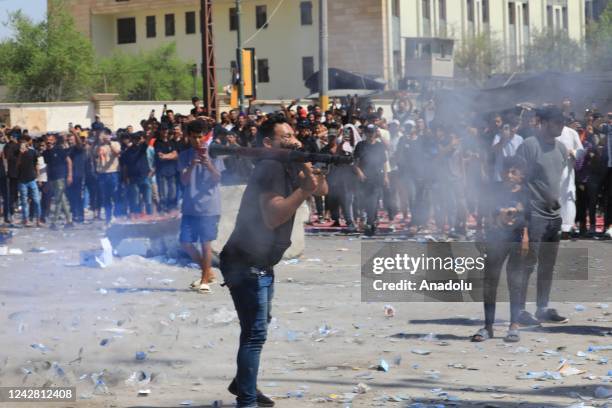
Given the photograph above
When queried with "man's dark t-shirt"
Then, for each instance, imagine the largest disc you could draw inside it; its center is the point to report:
(136, 162)
(545, 165)
(251, 242)
(11, 152)
(165, 167)
(57, 168)
(26, 168)
(78, 155)
(372, 158)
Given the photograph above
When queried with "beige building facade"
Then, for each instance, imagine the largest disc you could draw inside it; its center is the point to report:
(513, 22)
(365, 36)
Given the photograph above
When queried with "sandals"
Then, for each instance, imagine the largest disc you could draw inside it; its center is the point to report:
(201, 287)
(481, 335)
(512, 336)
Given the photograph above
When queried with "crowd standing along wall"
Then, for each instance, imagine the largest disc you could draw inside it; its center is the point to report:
(55, 116)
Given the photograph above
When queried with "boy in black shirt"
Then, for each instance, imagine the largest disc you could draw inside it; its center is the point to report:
(166, 162)
(504, 235)
(136, 173)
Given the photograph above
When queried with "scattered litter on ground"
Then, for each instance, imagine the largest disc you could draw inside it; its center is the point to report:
(293, 261)
(602, 392)
(420, 352)
(566, 369)
(141, 356)
(389, 311)
(580, 308)
(383, 366)
(222, 315)
(361, 388)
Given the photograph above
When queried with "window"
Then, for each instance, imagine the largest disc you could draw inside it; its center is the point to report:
(525, 14)
(307, 67)
(588, 11)
(395, 8)
(169, 25)
(442, 9)
(426, 9)
(151, 27)
(233, 16)
(485, 11)
(261, 17)
(190, 22)
(263, 71)
(549, 16)
(306, 13)
(470, 10)
(565, 22)
(511, 14)
(126, 30)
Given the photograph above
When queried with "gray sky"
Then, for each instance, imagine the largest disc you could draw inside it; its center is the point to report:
(35, 9)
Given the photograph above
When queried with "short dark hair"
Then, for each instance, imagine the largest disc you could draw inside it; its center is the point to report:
(515, 162)
(197, 126)
(550, 113)
(195, 99)
(267, 128)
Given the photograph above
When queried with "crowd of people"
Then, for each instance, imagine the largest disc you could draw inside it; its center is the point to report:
(412, 168)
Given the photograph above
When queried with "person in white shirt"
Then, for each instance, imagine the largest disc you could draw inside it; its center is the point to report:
(504, 145)
(570, 139)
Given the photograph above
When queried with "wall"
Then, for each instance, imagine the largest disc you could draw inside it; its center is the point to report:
(43, 117)
(357, 36)
(131, 113)
(54, 117)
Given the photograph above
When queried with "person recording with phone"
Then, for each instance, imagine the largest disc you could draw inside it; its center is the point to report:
(201, 210)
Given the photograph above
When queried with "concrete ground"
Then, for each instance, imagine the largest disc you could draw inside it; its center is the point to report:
(322, 343)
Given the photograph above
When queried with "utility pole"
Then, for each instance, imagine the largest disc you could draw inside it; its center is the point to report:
(323, 62)
(239, 57)
(208, 59)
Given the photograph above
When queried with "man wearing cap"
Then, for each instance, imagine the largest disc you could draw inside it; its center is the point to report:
(370, 160)
(546, 159)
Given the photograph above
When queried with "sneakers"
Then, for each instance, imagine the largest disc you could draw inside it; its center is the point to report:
(551, 316)
(262, 400)
(526, 319)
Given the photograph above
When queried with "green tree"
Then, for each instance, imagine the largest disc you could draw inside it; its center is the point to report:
(155, 75)
(599, 42)
(48, 61)
(553, 51)
(478, 57)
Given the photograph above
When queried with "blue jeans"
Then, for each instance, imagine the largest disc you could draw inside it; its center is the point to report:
(108, 183)
(136, 188)
(24, 189)
(252, 298)
(167, 191)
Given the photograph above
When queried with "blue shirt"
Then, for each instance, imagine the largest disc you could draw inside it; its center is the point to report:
(202, 196)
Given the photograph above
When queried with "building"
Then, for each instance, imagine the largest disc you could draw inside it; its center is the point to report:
(382, 38)
(513, 22)
(363, 36)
